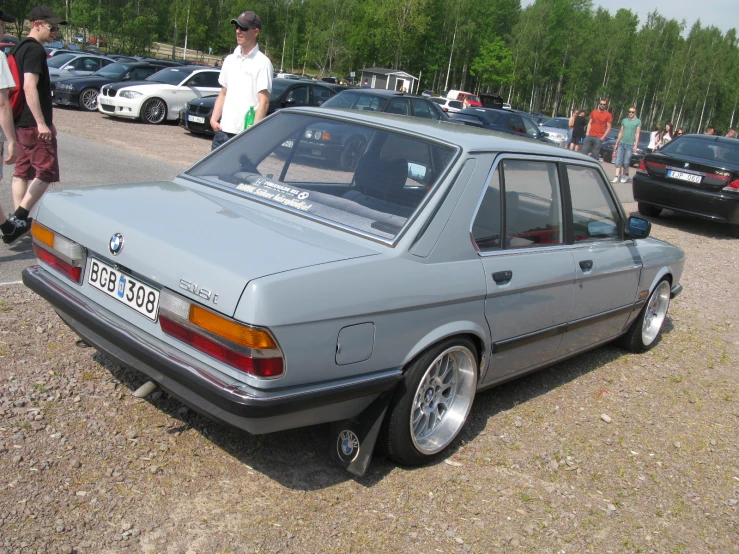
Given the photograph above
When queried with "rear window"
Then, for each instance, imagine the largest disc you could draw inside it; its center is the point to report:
(557, 123)
(712, 150)
(355, 177)
(356, 101)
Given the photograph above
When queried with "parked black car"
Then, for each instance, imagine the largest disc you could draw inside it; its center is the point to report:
(606, 149)
(195, 117)
(388, 101)
(505, 121)
(696, 175)
(82, 91)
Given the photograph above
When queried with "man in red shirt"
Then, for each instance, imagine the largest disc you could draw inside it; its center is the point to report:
(597, 131)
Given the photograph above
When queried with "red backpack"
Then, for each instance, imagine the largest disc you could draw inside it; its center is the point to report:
(16, 95)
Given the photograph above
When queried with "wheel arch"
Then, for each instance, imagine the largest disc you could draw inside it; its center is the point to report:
(459, 329)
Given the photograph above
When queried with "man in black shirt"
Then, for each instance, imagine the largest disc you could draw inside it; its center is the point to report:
(38, 163)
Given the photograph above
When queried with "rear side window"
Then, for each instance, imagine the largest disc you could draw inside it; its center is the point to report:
(529, 193)
(515, 124)
(421, 108)
(594, 212)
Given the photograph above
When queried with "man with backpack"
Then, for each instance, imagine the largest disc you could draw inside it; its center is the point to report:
(10, 231)
(38, 164)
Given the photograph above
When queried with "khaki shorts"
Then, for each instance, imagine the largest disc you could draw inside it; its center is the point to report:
(36, 158)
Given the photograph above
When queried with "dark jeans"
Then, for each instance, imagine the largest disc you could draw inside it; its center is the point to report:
(591, 147)
(221, 138)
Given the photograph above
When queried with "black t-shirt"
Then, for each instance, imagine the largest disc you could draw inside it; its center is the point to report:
(31, 58)
(580, 126)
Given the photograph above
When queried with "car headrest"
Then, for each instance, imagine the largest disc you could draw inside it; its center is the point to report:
(380, 176)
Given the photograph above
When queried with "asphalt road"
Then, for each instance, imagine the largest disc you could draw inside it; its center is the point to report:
(87, 162)
(83, 162)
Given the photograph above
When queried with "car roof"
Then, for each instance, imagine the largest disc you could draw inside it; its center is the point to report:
(469, 138)
(382, 92)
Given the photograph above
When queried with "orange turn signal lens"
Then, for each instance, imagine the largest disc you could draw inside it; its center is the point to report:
(42, 234)
(229, 330)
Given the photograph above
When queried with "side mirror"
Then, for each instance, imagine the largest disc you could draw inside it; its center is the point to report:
(288, 102)
(543, 134)
(637, 228)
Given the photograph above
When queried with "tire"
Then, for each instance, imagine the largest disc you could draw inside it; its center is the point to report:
(649, 210)
(645, 330)
(352, 153)
(154, 111)
(432, 403)
(89, 99)
(734, 231)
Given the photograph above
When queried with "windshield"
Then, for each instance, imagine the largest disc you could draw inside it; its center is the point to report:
(358, 178)
(557, 123)
(714, 150)
(170, 75)
(58, 61)
(114, 70)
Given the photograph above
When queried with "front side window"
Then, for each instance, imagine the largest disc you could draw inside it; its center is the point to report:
(594, 212)
(358, 177)
(421, 108)
(531, 129)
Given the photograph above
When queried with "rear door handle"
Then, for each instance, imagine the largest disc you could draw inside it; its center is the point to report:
(502, 276)
(586, 265)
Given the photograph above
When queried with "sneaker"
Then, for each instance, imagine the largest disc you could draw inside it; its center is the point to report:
(615, 179)
(624, 179)
(21, 228)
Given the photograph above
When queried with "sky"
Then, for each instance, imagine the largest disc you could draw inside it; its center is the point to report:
(723, 14)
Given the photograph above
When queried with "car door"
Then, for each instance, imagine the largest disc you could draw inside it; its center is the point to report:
(608, 267)
(529, 270)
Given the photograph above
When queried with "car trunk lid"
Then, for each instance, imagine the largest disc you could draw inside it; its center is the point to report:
(186, 239)
(689, 171)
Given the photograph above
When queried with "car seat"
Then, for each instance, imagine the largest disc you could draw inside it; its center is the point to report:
(378, 183)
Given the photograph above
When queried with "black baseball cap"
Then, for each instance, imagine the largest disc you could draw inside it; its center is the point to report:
(44, 13)
(8, 18)
(248, 20)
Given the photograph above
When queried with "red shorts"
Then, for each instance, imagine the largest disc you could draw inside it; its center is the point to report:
(36, 158)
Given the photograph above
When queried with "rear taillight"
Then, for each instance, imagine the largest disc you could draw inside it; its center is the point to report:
(249, 349)
(64, 255)
(732, 187)
(642, 167)
(656, 164)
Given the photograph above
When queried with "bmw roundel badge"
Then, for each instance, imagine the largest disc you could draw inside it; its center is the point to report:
(116, 244)
(348, 446)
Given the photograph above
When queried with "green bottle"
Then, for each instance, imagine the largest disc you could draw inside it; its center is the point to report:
(249, 118)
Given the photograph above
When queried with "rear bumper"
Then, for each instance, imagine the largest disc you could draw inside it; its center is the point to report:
(255, 411)
(713, 205)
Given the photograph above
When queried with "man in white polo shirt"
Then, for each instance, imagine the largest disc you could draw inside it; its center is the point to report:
(246, 78)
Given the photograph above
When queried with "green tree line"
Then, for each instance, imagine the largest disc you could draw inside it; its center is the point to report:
(552, 56)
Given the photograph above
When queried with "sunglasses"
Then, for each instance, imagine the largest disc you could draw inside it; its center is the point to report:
(632, 111)
(242, 29)
(52, 28)
(602, 105)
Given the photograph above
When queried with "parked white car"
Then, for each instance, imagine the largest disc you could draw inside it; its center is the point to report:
(161, 96)
(64, 66)
(556, 129)
(448, 105)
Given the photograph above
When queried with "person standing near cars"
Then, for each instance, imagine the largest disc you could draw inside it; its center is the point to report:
(627, 143)
(11, 229)
(597, 131)
(38, 162)
(579, 128)
(246, 81)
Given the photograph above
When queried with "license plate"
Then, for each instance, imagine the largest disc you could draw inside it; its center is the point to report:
(196, 119)
(671, 173)
(124, 288)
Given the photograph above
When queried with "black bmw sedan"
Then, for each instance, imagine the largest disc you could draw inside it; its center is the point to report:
(697, 175)
(505, 121)
(195, 117)
(82, 91)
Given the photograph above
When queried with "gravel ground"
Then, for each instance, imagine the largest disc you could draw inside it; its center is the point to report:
(607, 453)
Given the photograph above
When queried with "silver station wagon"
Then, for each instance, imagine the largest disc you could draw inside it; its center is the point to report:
(270, 289)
